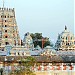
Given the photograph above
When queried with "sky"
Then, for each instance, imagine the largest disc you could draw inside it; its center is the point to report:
(48, 17)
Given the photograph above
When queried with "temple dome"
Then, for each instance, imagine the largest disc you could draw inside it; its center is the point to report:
(66, 33)
(65, 41)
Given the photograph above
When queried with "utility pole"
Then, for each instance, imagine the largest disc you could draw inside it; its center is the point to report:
(42, 40)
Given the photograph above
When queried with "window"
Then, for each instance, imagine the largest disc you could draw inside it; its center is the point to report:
(5, 16)
(8, 16)
(71, 38)
(6, 36)
(74, 42)
(15, 43)
(58, 37)
(66, 38)
(15, 53)
(23, 53)
(2, 49)
(5, 20)
(5, 30)
(11, 16)
(6, 43)
(1, 16)
(18, 53)
(5, 25)
(62, 37)
(68, 44)
(58, 43)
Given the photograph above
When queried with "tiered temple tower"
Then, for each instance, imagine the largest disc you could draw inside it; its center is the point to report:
(9, 34)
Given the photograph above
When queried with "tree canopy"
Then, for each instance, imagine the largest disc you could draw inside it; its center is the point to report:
(24, 67)
(38, 39)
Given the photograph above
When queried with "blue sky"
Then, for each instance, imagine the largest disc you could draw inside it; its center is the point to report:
(46, 16)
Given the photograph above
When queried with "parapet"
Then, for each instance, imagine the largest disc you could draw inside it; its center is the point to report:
(7, 9)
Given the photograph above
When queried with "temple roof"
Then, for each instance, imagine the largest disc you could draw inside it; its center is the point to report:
(66, 33)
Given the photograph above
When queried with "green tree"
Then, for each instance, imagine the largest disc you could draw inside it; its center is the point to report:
(47, 43)
(37, 40)
(24, 67)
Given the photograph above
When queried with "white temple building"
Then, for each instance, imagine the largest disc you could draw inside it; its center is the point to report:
(48, 51)
(65, 41)
(28, 41)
